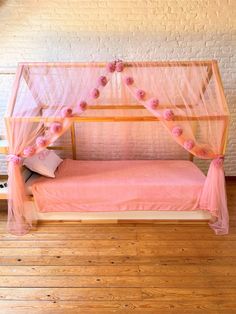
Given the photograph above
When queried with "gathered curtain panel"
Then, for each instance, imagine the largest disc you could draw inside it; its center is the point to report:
(187, 98)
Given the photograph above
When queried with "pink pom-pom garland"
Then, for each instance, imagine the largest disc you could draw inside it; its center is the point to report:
(119, 66)
(129, 80)
(177, 131)
(189, 144)
(95, 93)
(168, 115)
(153, 103)
(83, 105)
(219, 161)
(111, 67)
(102, 80)
(41, 141)
(140, 94)
(66, 112)
(56, 127)
(29, 151)
(15, 159)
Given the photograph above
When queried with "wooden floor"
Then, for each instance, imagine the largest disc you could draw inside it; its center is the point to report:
(120, 268)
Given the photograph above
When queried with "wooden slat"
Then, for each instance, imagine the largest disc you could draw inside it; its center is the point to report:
(155, 269)
(99, 270)
(118, 307)
(58, 147)
(162, 251)
(117, 281)
(118, 235)
(109, 260)
(77, 228)
(73, 140)
(117, 251)
(74, 244)
(65, 294)
(142, 245)
(110, 294)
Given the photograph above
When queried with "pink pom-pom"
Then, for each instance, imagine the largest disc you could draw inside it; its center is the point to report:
(168, 115)
(153, 103)
(102, 80)
(119, 66)
(129, 80)
(177, 131)
(29, 151)
(140, 94)
(56, 127)
(16, 160)
(189, 144)
(41, 141)
(66, 112)
(219, 161)
(111, 67)
(95, 93)
(83, 105)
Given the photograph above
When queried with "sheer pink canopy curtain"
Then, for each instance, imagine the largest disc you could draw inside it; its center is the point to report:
(45, 99)
(187, 98)
(190, 103)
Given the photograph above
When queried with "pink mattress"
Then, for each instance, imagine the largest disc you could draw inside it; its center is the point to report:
(120, 186)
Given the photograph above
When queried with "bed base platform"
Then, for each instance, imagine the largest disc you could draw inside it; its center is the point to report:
(126, 216)
(137, 190)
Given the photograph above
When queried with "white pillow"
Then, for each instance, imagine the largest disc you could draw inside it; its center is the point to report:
(44, 163)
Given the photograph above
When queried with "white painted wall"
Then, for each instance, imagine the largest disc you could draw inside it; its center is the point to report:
(95, 30)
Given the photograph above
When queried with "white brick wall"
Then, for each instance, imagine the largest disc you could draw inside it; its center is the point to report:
(83, 30)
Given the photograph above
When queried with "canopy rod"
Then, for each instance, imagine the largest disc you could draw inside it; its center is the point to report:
(118, 118)
(11, 70)
(99, 107)
(126, 63)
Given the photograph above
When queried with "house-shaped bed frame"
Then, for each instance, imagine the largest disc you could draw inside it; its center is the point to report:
(187, 97)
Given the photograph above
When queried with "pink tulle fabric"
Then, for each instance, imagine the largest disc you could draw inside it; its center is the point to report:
(187, 100)
(66, 112)
(41, 141)
(214, 198)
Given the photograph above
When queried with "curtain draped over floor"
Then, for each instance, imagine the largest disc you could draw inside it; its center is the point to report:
(187, 98)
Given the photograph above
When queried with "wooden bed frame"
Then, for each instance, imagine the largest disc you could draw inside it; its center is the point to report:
(160, 215)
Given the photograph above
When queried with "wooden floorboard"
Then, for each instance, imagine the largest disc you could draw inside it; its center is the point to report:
(69, 267)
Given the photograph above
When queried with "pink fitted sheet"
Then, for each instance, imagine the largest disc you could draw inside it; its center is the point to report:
(120, 186)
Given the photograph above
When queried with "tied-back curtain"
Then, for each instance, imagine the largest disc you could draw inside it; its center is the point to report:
(46, 99)
(185, 97)
(189, 102)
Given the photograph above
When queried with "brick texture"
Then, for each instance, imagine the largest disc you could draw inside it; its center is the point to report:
(95, 30)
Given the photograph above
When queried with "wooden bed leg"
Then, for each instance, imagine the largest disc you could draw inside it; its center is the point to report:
(73, 143)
